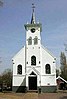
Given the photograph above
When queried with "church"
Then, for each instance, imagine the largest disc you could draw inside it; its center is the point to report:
(34, 67)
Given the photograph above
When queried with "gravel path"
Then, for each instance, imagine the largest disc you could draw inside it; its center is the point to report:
(53, 96)
(31, 96)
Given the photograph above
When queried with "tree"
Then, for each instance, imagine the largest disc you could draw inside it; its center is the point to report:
(0, 81)
(64, 73)
(7, 78)
(63, 66)
(1, 3)
(62, 60)
(57, 72)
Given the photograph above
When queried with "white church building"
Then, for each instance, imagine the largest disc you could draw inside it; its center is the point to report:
(34, 67)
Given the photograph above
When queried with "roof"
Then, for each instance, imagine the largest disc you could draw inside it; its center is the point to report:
(61, 79)
(48, 52)
(18, 52)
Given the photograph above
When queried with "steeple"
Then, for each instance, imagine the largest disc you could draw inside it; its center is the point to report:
(33, 15)
(33, 22)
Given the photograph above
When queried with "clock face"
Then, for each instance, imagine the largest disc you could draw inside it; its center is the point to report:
(33, 30)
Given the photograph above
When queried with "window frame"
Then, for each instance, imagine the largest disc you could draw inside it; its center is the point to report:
(35, 40)
(33, 60)
(30, 40)
(47, 69)
(19, 69)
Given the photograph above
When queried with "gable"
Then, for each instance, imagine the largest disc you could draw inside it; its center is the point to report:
(33, 70)
(32, 73)
(19, 59)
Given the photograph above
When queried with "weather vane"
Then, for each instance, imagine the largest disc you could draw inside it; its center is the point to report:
(33, 6)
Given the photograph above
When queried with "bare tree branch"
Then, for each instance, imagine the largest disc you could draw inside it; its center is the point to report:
(65, 47)
(1, 3)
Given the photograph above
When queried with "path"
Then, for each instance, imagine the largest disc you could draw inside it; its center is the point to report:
(31, 96)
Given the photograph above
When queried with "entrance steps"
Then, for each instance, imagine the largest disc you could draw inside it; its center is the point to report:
(32, 91)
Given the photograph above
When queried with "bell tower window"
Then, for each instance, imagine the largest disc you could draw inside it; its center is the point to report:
(30, 41)
(35, 40)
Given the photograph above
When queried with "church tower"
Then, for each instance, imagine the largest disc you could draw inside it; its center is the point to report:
(34, 67)
(33, 30)
(33, 49)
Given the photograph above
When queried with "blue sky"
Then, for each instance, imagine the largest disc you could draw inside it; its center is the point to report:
(15, 13)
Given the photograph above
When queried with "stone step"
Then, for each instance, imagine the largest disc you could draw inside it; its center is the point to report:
(31, 91)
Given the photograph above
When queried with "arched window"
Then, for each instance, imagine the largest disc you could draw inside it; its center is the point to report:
(35, 40)
(19, 69)
(33, 60)
(48, 69)
(30, 41)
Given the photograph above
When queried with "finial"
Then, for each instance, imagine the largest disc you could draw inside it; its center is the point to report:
(33, 7)
(33, 14)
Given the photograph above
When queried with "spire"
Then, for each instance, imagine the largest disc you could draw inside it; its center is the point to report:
(33, 15)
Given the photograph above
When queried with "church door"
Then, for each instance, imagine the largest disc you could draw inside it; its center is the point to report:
(32, 83)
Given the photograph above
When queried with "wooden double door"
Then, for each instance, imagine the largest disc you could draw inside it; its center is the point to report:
(32, 83)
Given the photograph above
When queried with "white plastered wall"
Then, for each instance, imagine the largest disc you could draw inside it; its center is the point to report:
(19, 58)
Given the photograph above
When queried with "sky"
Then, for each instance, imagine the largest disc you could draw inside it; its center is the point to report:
(52, 14)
